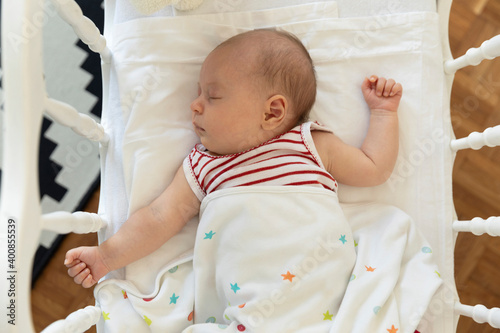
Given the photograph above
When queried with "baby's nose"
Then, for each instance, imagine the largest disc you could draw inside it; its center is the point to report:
(196, 106)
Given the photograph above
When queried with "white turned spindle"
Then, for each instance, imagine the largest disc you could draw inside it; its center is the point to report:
(488, 50)
(78, 222)
(479, 226)
(480, 314)
(490, 137)
(79, 321)
(84, 28)
(80, 123)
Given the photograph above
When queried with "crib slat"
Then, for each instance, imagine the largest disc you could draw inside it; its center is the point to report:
(479, 226)
(79, 321)
(84, 28)
(78, 222)
(490, 137)
(24, 92)
(480, 314)
(80, 123)
(488, 50)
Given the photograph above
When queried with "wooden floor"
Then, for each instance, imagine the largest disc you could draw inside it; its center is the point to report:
(475, 106)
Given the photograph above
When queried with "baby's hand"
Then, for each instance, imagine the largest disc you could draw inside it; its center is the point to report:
(382, 94)
(85, 265)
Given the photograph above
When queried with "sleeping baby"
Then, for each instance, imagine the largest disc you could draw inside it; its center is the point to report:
(255, 92)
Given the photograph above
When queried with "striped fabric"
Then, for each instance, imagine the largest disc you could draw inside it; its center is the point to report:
(287, 160)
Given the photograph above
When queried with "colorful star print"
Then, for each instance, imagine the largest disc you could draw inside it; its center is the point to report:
(105, 315)
(234, 287)
(209, 235)
(124, 293)
(288, 276)
(147, 320)
(370, 269)
(392, 329)
(327, 315)
(173, 299)
(342, 239)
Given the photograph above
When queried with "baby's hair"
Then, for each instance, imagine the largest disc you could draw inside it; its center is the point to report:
(285, 64)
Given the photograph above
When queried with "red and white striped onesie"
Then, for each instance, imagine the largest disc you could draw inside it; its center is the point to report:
(288, 159)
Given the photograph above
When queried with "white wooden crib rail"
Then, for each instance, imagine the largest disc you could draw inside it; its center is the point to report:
(490, 137)
(489, 49)
(25, 101)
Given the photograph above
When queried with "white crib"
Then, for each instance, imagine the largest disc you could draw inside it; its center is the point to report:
(26, 101)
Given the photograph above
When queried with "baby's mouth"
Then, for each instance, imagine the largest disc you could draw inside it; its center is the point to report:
(198, 128)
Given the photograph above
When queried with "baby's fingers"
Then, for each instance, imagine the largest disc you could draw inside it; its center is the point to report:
(70, 264)
(396, 89)
(388, 87)
(71, 257)
(82, 277)
(88, 281)
(379, 89)
(73, 271)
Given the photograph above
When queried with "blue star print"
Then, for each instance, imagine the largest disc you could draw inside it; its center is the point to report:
(173, 299)
(234, 287)
(209, 235)
(342, 239)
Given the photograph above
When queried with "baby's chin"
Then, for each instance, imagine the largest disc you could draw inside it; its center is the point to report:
(223, 150)
(220, 152)
(211, 150)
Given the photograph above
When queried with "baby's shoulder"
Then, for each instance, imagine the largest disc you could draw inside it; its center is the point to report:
(319, 132)
(322, 139)
(326, 144)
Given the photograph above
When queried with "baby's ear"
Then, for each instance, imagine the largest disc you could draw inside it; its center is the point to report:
(276, 111)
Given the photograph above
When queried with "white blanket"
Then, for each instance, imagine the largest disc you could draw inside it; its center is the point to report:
(272, 259)
(281, 259)
(395, 275)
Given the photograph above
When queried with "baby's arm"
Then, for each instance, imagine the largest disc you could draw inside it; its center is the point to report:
(372, 164)
(144, 232)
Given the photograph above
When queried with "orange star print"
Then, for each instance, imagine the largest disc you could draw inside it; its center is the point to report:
(392, 329)
(288, 276)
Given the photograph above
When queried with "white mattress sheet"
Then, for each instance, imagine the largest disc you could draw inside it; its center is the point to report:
(155, 72)
(124, 10)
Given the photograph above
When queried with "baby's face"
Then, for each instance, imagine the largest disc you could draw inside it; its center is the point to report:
(229, 109)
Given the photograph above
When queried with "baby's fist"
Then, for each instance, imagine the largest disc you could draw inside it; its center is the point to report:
(85, 265)
(381, 93)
